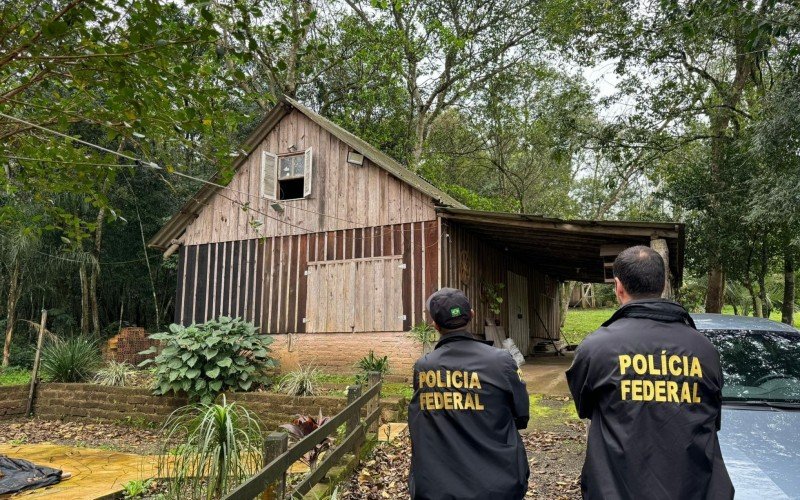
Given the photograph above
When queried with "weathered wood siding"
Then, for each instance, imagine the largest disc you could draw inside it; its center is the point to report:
(468, 263)
(265, 280)
(343, 196)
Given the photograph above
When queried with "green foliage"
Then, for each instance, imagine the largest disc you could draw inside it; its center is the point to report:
(424, 333)
(115, 374)
(300, 428)
(221, 446)
(301, 382)
(493, 296)
(14, 375)
(136, 488)
(75, 359)
(371, 363)
(204, 360)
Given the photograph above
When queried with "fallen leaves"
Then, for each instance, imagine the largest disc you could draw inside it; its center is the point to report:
(81, 433)
(555, 460)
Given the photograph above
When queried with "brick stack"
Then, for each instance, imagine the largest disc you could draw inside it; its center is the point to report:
(127, 344)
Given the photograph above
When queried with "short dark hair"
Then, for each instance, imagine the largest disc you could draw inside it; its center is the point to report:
(641, 271)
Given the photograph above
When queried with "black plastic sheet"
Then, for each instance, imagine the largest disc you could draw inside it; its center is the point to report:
(19, 475)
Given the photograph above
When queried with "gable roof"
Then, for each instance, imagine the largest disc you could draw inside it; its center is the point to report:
(190, 210)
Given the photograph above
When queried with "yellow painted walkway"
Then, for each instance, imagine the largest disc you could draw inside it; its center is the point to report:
(94, 472)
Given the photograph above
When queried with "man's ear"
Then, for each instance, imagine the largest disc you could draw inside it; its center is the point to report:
(471, 314)
(619, 291)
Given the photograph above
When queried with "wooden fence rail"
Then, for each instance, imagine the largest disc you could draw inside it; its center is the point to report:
(271, 480)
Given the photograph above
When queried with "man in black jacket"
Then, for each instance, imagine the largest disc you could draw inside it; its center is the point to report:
(469, 400)
(651, 385)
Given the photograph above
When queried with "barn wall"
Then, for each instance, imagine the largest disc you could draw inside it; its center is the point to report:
(265, 281)
(468, 262)
(343, 196)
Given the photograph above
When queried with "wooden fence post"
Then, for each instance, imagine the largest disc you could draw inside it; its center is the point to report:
(35, 372)
(353, 392)
(275, 444)
(374, 379)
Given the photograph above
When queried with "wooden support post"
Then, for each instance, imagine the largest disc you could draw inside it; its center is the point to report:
(660, 246)
(374, 379)
(35, 372)
(275, 444)
(353, 393)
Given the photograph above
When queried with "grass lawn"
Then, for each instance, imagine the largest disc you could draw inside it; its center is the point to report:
(14, 376)
(388, 388)
(582, 322)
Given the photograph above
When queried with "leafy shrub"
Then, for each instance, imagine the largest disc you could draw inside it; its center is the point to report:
(424, 333)
(136, 488)
(301, 382)
(115, 374)
(371, 363)
(222, 448)
(75, 359)
(22, 348)
(301, 427)
(204, 360)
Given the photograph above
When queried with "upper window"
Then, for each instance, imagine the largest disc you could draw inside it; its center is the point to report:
(286, 177)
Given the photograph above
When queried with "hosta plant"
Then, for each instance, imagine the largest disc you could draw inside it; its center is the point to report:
(300, 428)
(221, 447)
(204, 360)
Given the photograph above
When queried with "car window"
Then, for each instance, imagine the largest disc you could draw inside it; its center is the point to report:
(759, 366)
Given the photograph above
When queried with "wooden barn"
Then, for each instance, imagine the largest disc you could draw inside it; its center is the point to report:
(332, 247)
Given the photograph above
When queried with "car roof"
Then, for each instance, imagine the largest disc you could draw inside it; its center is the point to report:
(707, 321)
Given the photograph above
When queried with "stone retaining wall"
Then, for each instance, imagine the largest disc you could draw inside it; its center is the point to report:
(13, 400)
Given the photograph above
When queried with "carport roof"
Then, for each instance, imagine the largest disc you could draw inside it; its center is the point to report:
(568, 249)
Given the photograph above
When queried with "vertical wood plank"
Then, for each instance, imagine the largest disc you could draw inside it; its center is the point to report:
(291, 296)
(407, 304)
(302, 281)
(201, 287)
(191, 266)
(180, 291)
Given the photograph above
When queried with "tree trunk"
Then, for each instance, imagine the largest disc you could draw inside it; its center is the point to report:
(11, 310)
(566, 294)
(660, 246)
(85, 313)
(715, 293)
(419, 140)
(787, 311)
(766, 305)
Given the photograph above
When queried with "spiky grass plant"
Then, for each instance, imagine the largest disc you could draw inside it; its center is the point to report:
(75, 359)
(115, 374)
(301, 382)
(220, 448)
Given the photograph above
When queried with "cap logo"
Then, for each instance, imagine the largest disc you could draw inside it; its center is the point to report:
(455, 312)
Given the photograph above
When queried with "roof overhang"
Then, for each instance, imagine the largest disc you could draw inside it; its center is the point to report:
(568, 249)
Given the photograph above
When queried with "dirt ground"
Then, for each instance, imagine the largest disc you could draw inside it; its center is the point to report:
(555, 442)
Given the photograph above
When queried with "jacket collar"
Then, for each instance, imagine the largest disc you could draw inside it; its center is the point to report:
(662, 310)
(460, 335)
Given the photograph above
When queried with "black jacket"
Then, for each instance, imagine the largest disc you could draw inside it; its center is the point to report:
(469, 400)
(651, 384)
